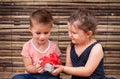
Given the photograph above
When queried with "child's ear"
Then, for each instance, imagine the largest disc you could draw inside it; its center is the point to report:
(89, 33)
(30, 28)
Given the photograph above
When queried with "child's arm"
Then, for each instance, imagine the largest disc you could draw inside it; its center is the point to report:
(30, 68)
(94, 59)
(59, 68)
(68, 60)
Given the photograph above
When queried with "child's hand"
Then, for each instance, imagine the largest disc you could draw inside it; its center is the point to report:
(39, 68)
(58, 70)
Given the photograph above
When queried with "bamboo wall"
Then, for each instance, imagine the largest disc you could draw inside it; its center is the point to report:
(14, 15)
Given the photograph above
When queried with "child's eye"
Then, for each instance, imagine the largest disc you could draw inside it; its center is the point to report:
(46, 32)
(73, 33)
(37, 33)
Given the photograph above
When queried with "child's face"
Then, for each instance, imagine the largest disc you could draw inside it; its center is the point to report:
(41, 33)
(78, 36)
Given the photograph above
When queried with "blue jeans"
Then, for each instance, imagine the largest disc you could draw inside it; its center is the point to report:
(45, 75)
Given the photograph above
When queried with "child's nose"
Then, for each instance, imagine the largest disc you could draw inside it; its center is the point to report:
(41, 36)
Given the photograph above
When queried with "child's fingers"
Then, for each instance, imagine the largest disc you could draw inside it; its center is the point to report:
(37, 65)
(40, 69)
(56, 66)
(55, 73)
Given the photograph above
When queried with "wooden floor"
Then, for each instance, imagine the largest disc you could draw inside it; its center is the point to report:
(14, 22)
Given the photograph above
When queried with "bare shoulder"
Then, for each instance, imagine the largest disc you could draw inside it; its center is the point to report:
(68, 48)
(68, 60)
(98, 46)
(97, 49)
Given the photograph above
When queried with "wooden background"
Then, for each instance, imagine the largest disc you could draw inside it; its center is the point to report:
(14, 15)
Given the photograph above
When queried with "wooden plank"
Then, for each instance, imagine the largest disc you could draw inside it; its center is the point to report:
(64, 0)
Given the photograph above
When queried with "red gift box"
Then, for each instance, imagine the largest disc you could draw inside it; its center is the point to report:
(53, 59)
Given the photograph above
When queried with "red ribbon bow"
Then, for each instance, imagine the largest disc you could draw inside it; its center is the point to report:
(52, 59)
